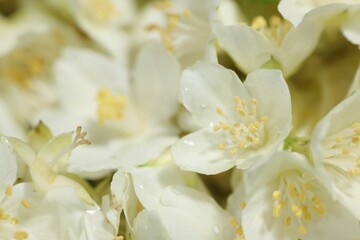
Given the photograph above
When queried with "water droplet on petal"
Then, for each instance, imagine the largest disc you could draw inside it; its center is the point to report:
(203, 105)
(176, 189)
(216, 229)
(141, 186)
(189, 142)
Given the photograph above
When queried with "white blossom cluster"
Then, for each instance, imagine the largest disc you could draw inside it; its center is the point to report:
(179, 119)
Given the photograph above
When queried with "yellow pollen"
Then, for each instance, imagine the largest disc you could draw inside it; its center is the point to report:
(287, 221)
(355, 139)
(338, 139)
(8, 191)
(233, 151)
(357, 130)
(345, 150)
(4, 216)
(14, 221)
(216, 128)
(258, 23)
(110, 107)
(319, 209)
(264, 119)
(243, 205)
(243, 134)
(275, 30)
(221, 146)
(276, 195)
(358, 162)
(307, 186)
(187, 13)
(25, 203)
(219, 110)
(233, 222)
(21, 235)
(173, 21)
(301, 196)
(307, 216)
(315, 200)
(277, 210)
(302, 229)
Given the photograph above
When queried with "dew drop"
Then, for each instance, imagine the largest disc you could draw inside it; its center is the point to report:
(176, 189)
(203, 105)
(189, 142)
(216, 229)
(141, 187)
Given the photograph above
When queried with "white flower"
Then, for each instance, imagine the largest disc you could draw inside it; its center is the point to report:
(31, 43)
(295, 10)
(185, 213)
(103, 20)
(284, 200)
(272, 44)
(127, 124)
(241, 122)
(336, 153)
(142, 187)
(346, 13)
(188, 32)
(23, 214)
(48, 158)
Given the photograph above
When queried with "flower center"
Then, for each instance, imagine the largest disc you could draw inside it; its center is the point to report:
(246, 134)
(174, 17)
(110, 107)
(22, 65)
(238, 229)
(275, 30)
(343, 149)
(184, 32)
(10, 221)
(295, 202)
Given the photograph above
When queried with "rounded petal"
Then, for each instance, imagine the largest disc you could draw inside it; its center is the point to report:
(198, 152)
(297, 45)
(189, 214)
(156, 83)
(148, 226)
(247, 47)
(149, 183)
(275, 104)
(207, 86)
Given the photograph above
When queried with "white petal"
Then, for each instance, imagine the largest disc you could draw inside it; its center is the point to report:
(156, 83)
(198, 152)
(149, 183)
(147, 226)
(249, 49)
(276, 105)
(296, 11)
(148, 146)
(351, 27)
(297, 45)
(207, 86)
(356, 82)
(113, 40)
(189, 214)
(8, 123)
(8, 163)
